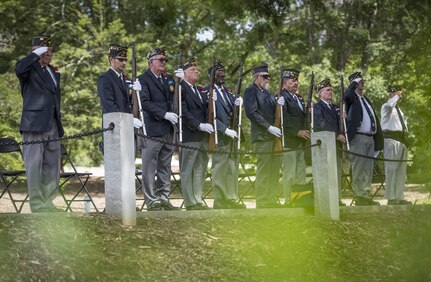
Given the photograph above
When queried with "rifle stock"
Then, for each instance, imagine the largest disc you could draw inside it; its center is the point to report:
(136, 104)
(342, 121)
(211, 119)
(308, 119)
(279, 142)
(177, 106)
(236, 119)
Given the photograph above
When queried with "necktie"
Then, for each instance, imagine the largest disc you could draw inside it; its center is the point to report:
(226, 99)
(297, 101)
(373, 122)
(161, 79)
(122, 83)
(48, 77)
(403, 124)
(197, 93)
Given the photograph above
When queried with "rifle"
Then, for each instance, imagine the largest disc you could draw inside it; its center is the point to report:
(279, 142)
(236, 119)
(212, 115)
(177, 107)
(308, 119)
(342, 122)
(136, 104)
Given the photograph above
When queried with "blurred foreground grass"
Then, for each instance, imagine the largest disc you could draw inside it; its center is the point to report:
(391, 246)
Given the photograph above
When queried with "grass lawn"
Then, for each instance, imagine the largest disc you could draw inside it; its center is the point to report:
(388, 246)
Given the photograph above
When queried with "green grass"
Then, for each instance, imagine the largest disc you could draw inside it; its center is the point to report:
(386, 246)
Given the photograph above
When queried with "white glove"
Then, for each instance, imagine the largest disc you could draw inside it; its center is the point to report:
(206, 127)
(357, 80)
(172, 117)
(274, 131)
(137, 123)
(137, 85)
(231, 133)
(238, 101)
(179, 73)
(214, 96)
(280, 101)
(39, 51)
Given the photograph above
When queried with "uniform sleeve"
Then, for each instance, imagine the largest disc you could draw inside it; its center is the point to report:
(147, 104)
(22, 67)
(106, 94)
(251, 109)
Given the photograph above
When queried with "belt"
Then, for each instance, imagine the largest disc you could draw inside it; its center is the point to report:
(366, 134)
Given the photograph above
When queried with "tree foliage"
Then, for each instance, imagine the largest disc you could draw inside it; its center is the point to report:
(388, 40)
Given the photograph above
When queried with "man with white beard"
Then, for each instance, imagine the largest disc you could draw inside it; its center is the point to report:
(260, 106)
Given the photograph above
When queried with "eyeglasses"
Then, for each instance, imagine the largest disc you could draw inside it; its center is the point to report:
(161, 60)
(122, 59)
(265, 76)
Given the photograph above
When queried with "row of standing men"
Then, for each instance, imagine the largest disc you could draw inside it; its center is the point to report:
(156, 93)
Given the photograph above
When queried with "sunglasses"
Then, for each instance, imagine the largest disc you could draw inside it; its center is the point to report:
(266, 76)
(121, 59)
(161, 60)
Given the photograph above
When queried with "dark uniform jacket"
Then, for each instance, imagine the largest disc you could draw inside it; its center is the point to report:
(194, 113)
(326, 119)
(41, 98)
(113, 93)
(294, 119)
(260, 107)
(354, 116)
(156, 101)
(224, 114)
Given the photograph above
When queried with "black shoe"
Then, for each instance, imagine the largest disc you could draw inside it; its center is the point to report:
(392, 202)
(48, 209)
(233, 204)
(203, 207)
(218, 205)
(155, 207)
(269, 206)
(362, 201)
(197, 207)
(404, 202)
(167, 206)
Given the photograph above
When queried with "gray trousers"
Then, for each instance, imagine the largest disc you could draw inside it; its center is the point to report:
(362, 168)
(267, 174)
(156, 161)
(294, 171)
(193, 170)
(395, 171)
(224, 175)
(42, 165)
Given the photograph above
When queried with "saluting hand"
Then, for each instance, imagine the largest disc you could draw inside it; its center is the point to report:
(39, 51)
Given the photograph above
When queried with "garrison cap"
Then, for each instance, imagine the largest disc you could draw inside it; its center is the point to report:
(356, 74)
(156, 51)
(191, 62)
(218, 65)
(261, 68)
(394, 88)
(42, 40)
(324, 83)
(291, 73)
(117, 51)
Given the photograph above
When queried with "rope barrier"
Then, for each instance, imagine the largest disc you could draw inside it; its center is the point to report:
(76, 136)
(374, 158)
(224, 151)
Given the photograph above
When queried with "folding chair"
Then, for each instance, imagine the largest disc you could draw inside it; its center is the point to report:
(379, 178)
(8, 177)
(138, 173)
(82, 178)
